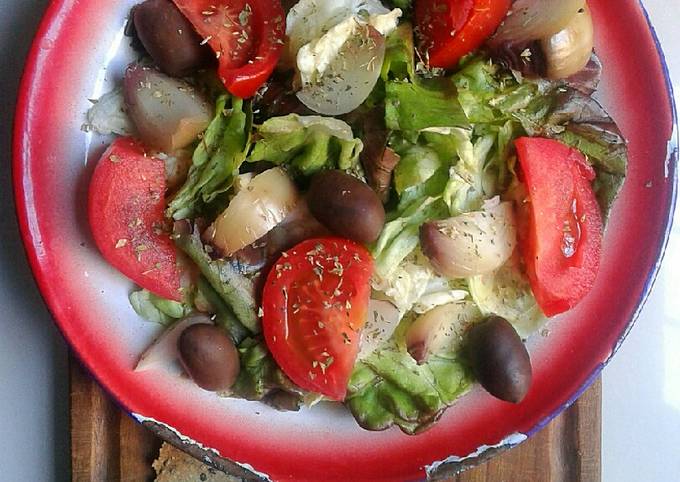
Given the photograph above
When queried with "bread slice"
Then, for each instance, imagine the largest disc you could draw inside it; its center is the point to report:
(173, 465)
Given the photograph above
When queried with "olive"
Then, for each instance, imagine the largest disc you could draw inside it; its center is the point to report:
(346, 206)
(499, 359)
(169, 37)
(209, 357)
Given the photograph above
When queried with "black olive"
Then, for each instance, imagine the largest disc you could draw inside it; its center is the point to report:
(209, 357)
(346, 206)
(169, 37)
(499, 359)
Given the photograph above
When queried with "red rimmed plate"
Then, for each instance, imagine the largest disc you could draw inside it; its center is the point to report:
(80, 52)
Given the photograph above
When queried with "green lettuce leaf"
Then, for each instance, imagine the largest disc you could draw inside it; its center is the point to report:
(607, 151)
(156, 309)
(412, 107)
(399, 63)
(307, 144)
(476, 85)
(400, 236)
(480, 171)
(416, 166)
(217, 158)
(237, 291)
(389, 388)
(403, 4)
(432, 188)
(261, 378)
(224, 315)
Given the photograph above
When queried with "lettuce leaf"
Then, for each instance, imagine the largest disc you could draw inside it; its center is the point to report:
(261, 379)
(307, 144)
(433, 187)
(399, 62)
(156, 309)
(389, 388)
(237, 291)
(224, 315)
(506, 292)
(412, 107)
(501, 107)
(416, 166)
(217, 158)
(400, 236)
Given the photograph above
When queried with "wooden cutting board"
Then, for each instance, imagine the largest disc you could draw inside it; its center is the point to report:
(107, 445)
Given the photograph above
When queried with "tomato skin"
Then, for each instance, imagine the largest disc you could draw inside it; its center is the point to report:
(125, 210)
(246, 36)
(271, 27)
(562, 242)
(315, 303)
(451, 29)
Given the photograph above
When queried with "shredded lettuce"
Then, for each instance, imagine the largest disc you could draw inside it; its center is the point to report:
(413, 285)
(307, 144)
(217, 158)
(506, 292)
(417, 165)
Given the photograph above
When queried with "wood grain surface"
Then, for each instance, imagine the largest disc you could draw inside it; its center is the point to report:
(107, 445)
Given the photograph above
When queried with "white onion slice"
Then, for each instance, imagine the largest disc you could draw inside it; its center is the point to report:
(257, 209)
(440, 329)
(310, 19)
(470, 244)
(569, 50)
(382, 319)
(537, 19)
(338, 77)
(169, 114)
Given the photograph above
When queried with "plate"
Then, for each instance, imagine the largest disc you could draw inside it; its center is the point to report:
(80, 52)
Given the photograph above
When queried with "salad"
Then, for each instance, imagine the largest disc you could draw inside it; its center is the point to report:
(365, 202)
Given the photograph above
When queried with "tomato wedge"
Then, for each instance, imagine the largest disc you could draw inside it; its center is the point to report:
(451, 29)
(246, 36)
(315, 303)
(125, 210)
(562, 241)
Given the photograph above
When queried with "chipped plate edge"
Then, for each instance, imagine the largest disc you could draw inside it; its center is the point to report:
(441, 469)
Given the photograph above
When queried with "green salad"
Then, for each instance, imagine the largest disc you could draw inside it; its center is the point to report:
(352, 201)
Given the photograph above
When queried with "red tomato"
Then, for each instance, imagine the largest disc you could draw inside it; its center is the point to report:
(451, 29)
(125, 209)
(315, 304)
(562, 241)
(246, 36)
